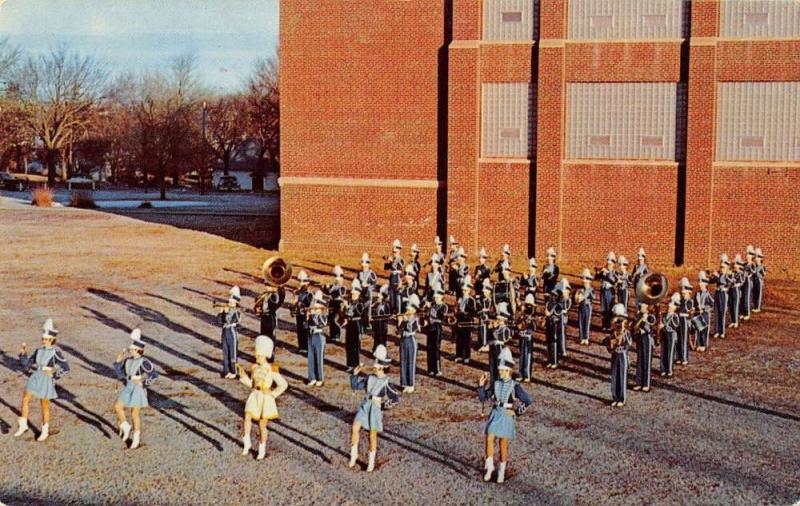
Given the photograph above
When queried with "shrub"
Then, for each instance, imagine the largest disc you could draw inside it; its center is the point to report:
(82, 199)
(146, 205)
(42, 197)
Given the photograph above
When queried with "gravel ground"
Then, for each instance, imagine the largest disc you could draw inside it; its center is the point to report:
(726, 429)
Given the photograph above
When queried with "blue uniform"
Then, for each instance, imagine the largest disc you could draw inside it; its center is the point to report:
(380, 327)
(269, 313)
(137, 373)
(608, 283)
(623, 284)
(368, 280)
(395, 267)
(550, 277)
(433, 282)
(352, 336)
(336, 291)
(482, 272)
(758, 286)
(639, 271)
(585, 313)
(380, 394)
(735, 294)
(562, 310)
(49, 365)
(500, 338)
(316, 348)
(529, 283)
(408, 329)
(684, 312)
(704, 302)
(644, 352)
(526, 348)
(230, 339)
(483, 308)
(501, 419)
(619, 368)
(669, 334)
(466, 311)
(436, 315)
(747, 289)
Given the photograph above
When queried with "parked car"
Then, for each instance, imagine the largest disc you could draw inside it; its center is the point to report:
(228, 183)
(80, 181)
(9, 182)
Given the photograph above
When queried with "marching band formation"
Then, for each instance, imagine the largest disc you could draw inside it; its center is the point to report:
(490, 310)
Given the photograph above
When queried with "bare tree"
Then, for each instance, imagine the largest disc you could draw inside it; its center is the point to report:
(60, 91)
(263, 112)
(9, 57)
(226, 128)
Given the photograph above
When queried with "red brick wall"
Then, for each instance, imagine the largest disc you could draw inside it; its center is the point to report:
(759, 206)
(467, 16)
(506, 63)
(604, 203)
(503, 206)
(705, 18)
(623, 61)
(758, 60)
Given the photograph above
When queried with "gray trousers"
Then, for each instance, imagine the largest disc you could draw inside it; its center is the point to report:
(667, 351)
(734, 293)
(525, 356)
(644, 359)
(316, 357)
(619, 376)
(584, 321)
(720, 311)
(408, 360)
(683, 339)
(702, 337)
(230, 346)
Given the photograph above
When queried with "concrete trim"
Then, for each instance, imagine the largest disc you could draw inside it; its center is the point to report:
(624, 41)
(547, 43)
(465, 44)
(530, 42)
(625, 163)
(515, 161)
(757, 39)
(360, 182)
(703, 41)
(756, 165)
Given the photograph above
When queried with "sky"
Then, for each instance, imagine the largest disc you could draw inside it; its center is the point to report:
(226, 35)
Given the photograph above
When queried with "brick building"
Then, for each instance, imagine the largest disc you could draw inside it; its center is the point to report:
(584, 124)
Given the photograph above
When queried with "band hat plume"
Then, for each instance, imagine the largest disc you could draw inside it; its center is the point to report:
(641, 253)
(750, 250)
(587, 274)
(264, 346)
(365, 258)
(551, 252)
(532, 262)
(302, 276)
(381, 357)
(435, 259)
(623, 260)
(739, 260)
(235, 293)
(414, 248)
(685, 284)
(466, 283)
(383, 291)
(413, 302)
(759, 253)
(619, 311)
(611, 257)
(49, 330)
(461, 253)
(505, 360)
(506, 249)
(529, 299)
(487, 285)
(318, 300)
(338, 271)
(396, 244)
(675, 300)
(483, 253)
(702, 277)
(410, 270)
(136, 340)
(724, 260)
(453, 241)
(502, 310)
(355, 286)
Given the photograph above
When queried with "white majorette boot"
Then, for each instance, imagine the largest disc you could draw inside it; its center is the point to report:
(23, 426)
(353, 456)
(501, 472)
(125, 430)
(262, 451)
(247, 444)
(489, 469)
(135, 442)
(45, 432)
(371, 464)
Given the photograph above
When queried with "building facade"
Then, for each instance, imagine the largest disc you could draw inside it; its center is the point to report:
(587, 125)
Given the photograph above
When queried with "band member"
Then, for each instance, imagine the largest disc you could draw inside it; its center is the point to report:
(368, 280)
(703, 303)
(229, 317)
(503, 289)
(300, 305)
(138, 373)
(550, 273)
(509, 399)
(482, 270)
(584, 297)
(439, 254)
(746, 302)
(723, 280)
(639, 271)
(735, 292)
(49, 365)
(266, 385)
(685, 309)
(608, 282)
(526, 329)
(466, 310)
(501, 335)
(552, 316)
(483, 310)
(530, 282)
(668, 326)
(434, 280)
(758, 282)
(462, 270)
(452, 272)
(267, 305)
(563, 305)
(504, 262)
(619, 343)
(380, 396)
(413, 261)
(408, 288)
(623, 282)
(408, 327)
(437, 312)
(395, 266)
(352, 332)
(317, 319)
(643, 333)
(337, 291)
(381, 313)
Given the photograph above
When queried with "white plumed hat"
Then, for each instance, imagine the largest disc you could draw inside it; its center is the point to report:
(136, 340)
(264, 346)
(338, 271)
(236, 294)
(48, 329)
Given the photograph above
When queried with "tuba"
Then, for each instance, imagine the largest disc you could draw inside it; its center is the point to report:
(652, 288)
(277, 271)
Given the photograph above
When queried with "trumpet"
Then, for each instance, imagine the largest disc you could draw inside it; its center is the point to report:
(223, 306)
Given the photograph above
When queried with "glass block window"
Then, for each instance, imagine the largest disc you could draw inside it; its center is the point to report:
(505, 121)
(755, 19)
(510, 19)
(625, 19)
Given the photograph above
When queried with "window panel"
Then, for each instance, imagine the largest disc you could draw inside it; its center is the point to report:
(509, 19)
(747, 19)
(505, 120)
(625, 19)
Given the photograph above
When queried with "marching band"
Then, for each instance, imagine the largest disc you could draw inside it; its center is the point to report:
(493, 301)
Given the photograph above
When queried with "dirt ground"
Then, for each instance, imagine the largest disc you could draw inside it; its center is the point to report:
(725, 429)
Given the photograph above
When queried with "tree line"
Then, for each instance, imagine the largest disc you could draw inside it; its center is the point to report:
(152, 128)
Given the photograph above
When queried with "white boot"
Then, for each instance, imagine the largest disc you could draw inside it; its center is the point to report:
(371, 464)
(247, 444)
(23, 426)
(135, 442)
(353, 456)
(125, 430)
(45, 433)
(489, 469)
(501, 472)
(262, 451)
